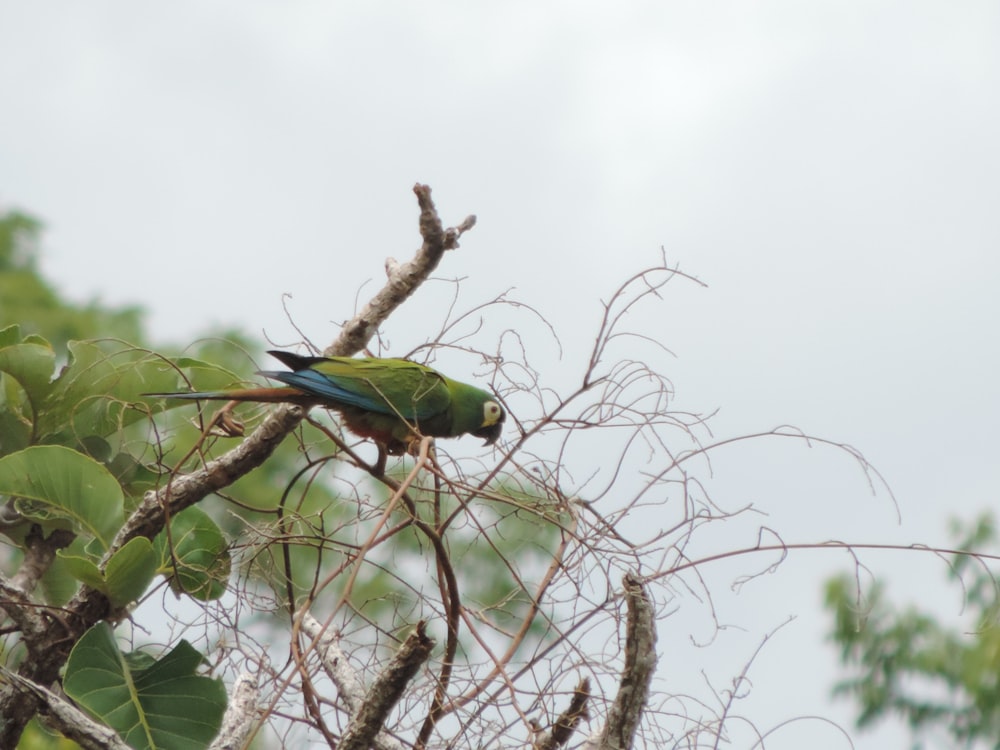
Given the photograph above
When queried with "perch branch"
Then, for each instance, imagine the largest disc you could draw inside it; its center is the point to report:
(241, 715)
(386, 691)
(15, 592)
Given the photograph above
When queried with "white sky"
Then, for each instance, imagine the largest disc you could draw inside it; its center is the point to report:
(830, 169)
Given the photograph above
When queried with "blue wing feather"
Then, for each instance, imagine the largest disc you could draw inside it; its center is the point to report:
(317, 384)
(357, 386)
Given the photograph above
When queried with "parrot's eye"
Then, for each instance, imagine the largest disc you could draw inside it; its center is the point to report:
(492, 413)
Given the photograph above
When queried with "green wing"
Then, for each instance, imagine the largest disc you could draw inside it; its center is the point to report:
(384, 386)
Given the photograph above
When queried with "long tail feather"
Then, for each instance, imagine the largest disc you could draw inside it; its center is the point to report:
(261, 395)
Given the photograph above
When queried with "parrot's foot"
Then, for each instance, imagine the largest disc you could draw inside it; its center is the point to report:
(414, 443)
(398, 448)
(378, 469)
(224, 424)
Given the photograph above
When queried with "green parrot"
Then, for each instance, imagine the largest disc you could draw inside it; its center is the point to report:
(392, 401)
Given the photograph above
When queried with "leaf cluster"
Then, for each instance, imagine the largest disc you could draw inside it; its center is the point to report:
(904, 662)
(68, 478)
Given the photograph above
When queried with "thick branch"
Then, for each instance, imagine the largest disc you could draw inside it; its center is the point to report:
(335, 664)
(562, 730)
(241, 715)
(39, 552)
(640, 661)
(67, 718)
(20, 608)
(350, 688)
(15, 593)
(403, 279)
(386, 691)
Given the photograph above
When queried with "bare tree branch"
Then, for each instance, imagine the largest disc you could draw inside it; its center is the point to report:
(403, 279)
(67, 718)
(241, 715)
(520, 555)
(39, 552)
(387, 689)
(20, 608)
(562, 730)
(15, 592)
(640, 661)
(349, 686)
(327, 646)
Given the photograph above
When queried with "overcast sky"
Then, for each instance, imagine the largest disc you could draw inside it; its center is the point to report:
(831, 170)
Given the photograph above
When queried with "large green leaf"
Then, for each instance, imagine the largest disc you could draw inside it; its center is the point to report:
(201, 554)
(126, 576)
(11, 334)
(102, 389)
(83, 569)
(138, 372)
(198, 375)
(31, 365)
(15, 430)
(58, 584)
(89, 374)
(94, 394)
(153, 704)
(135, 477)
(130, 571)
(25, 378)
(61, 488)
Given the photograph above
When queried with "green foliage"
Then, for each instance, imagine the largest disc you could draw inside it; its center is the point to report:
(65, 462)
(37, 737)
(194, 556)
(19, 235)
(125, 577)
(56, 487)
(153, 704)
(97, 394)
(905, 663)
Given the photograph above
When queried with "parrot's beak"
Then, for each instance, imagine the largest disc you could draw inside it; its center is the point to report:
(491, 433)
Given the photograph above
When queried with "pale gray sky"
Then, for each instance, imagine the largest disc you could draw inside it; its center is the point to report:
(830, 169)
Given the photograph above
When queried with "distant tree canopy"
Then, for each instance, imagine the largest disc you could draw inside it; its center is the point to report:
(27, 299)
(904, 663)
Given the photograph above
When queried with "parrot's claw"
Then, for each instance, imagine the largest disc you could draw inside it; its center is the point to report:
(224, 424)
(413, 445)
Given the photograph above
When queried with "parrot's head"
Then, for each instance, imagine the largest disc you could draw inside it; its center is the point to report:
(492, 426)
